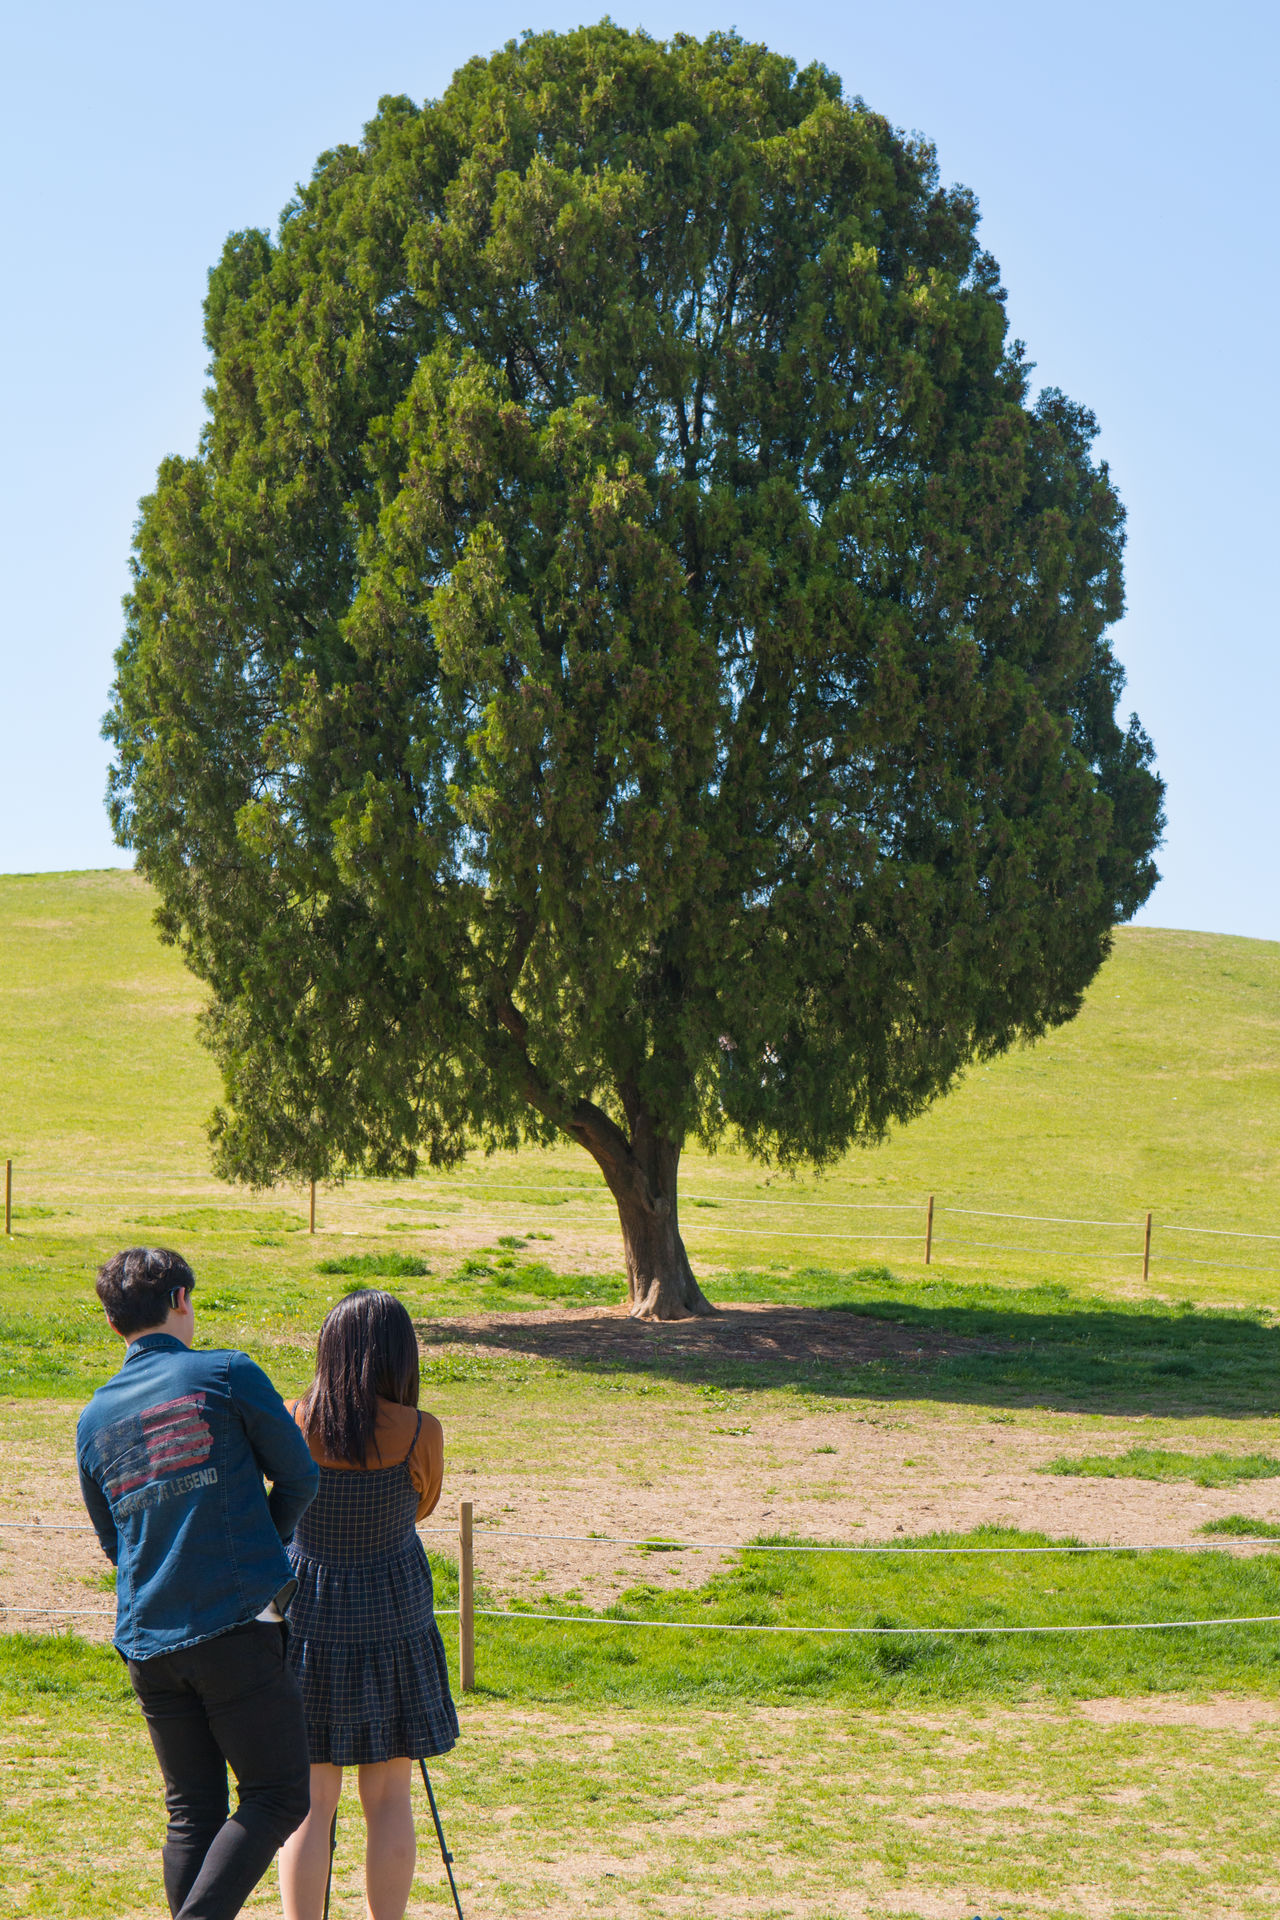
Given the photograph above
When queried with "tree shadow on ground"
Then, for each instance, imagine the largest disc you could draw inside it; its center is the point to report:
(1087, 1359)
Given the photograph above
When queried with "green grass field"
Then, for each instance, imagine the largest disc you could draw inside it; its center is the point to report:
(621, 1769)
(896, 1814)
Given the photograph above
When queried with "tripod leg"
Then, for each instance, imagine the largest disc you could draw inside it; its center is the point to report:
(445, 1854)
(333, 1848)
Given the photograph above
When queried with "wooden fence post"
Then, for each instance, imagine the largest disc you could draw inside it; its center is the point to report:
(928, 1233)
(8, 1196)
(313, 1207)
(1146, 1250)
(466, 1601)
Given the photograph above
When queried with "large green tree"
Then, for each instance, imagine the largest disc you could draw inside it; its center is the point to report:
(628, 658)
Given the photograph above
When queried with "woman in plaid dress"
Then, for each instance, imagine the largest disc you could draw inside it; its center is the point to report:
(363, 1639)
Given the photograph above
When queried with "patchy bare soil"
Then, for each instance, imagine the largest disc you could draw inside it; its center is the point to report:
(902, 1814)
(666, 1467)
(594, 1444)
(1220, 1713)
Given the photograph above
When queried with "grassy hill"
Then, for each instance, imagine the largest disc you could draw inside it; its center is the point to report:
(100, 1068)
(1037, 1346)
(1164, 1094)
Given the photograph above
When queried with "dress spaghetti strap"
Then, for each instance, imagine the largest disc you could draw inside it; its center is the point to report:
(408, 1453)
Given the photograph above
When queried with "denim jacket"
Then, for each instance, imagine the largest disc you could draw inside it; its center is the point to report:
(172, 1454)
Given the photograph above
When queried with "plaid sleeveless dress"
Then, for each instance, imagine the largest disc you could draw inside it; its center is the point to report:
(363, 1639)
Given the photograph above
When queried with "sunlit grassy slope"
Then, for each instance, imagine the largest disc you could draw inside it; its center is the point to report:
(1164, 1094)
(99, 1063)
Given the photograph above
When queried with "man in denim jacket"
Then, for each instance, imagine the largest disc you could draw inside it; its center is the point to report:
(172, 1454)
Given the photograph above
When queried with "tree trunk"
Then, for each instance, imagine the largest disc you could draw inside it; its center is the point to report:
(641, 1173)
(640, 1167)
(660, 1282)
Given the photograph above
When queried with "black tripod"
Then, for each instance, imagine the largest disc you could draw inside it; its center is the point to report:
(445, 1854)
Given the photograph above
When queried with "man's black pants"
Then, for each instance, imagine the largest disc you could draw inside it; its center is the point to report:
(230, 1701)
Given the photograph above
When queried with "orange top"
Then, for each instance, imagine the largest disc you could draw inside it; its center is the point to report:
(392, 1441)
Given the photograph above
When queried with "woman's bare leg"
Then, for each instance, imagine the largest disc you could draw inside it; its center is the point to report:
(304, 1857)
(391, 1846)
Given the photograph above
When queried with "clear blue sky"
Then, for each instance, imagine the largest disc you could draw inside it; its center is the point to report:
(1122, 153)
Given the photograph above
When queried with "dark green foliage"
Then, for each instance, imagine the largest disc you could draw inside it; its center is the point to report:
(1243, 1525)
(629, 655)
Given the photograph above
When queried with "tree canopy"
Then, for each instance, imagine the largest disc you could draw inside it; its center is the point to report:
(629, 656)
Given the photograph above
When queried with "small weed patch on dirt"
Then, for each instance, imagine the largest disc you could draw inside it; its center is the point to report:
(1163, 1463)
(1243, 1526)
(388, 1266)
(506, 1283)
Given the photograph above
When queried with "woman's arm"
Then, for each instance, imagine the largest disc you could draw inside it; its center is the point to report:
(426, 1464)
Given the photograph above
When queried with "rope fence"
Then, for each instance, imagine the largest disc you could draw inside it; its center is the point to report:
(467, 1613)
(751, 1626)
(650, 1543)
(926, 1236)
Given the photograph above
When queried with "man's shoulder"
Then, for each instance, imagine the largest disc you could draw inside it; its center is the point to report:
(195, 1366)
(98, 1406)
(242, 1366)
(232, 1371)
(216, 1356)
(90, 1415)
(251, 1386)
(200, 1365)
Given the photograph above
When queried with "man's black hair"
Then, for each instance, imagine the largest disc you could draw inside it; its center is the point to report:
(136, 1286)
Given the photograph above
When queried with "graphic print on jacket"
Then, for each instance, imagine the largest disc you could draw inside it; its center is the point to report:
(169, 1439)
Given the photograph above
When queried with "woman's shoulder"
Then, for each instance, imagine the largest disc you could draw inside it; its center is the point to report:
(394, 1411)
(398, 1427)
(395, 1435)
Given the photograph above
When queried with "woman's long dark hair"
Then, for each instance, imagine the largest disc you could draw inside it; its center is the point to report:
(367, 1350)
